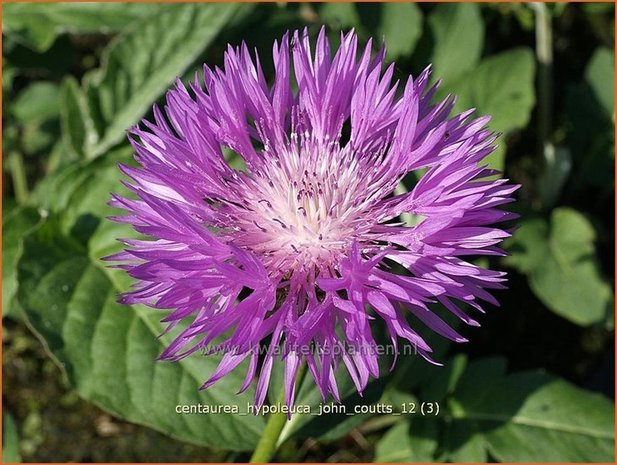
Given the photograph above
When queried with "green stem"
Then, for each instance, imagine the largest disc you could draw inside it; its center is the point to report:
(269, 442)
(18, 175)
(544, 54)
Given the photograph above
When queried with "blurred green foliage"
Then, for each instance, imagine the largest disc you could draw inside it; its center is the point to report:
(76, 76)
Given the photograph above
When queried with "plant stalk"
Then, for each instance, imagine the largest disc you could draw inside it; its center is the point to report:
(269, 442)
(544, 55)
(18, 176)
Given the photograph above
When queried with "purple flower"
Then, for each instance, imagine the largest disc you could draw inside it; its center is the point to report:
(305, 247)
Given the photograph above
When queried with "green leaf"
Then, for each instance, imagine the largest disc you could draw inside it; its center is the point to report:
(108, 350)
(87, 189)
(10, 440)
(30, 31)
(399, 24)
(465, 444)
(600, 74)
(401, 27)
(16, 225)
(36, 138)
(520, 417)
(395, 445)
(339, 14)
(408, 441)
(417, 441)
(501, 86)
(38, 24)
(138, 66)
(562, 267)
(76, 121)
(532, 416)
(412, 438)
(37, 102)
(458, 37)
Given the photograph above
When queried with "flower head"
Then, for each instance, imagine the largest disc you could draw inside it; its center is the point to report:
(306, 245)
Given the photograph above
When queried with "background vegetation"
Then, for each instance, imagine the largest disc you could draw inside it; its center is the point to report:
(79, 378)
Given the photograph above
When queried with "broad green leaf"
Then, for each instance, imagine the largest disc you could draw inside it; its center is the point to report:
(532, 416)
(38, 24)
(519, 417)
(10, 440)
(108, 350)
(600, 74)
(16, 225)
(458, 37)
(463, 440)
(69, 299)
(501, 86)
(528, 245)
(37, 102)
(401, 27)
(138, 66)
(561, 263)
(417, 440)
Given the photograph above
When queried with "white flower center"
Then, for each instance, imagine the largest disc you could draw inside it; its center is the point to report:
(304, 210)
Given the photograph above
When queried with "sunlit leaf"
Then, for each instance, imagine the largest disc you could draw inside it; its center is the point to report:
(561, 263)
(600, 74)
(15, 226)
(139, 65)
(109, 350)
(502, 86)
(458, 37)
(519, 417)
(38, 24)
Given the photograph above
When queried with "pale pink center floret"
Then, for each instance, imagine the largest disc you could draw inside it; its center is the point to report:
(303, 211)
